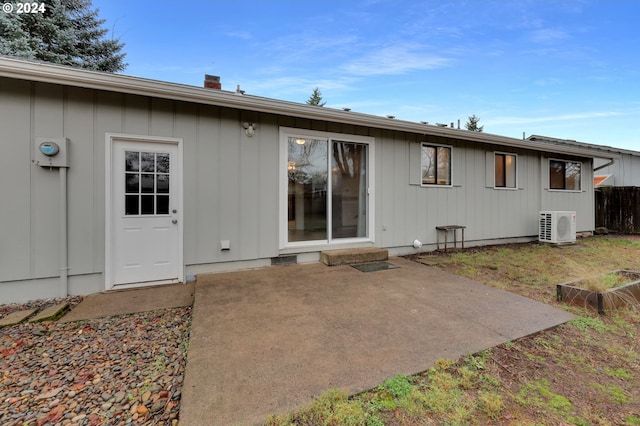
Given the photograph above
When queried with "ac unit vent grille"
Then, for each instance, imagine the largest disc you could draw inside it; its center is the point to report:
(545, 226)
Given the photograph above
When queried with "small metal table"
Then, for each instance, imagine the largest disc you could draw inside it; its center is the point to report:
(446, 230)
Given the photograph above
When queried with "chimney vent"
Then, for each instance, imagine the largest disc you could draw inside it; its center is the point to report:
(212, 82)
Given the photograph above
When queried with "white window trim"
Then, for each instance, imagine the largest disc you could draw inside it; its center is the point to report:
(435, 185)
(549, 160)
(285, 133)
(505, 188)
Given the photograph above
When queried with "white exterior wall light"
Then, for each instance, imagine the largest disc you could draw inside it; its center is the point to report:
(249, 128)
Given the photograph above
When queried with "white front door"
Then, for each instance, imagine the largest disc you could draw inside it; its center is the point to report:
(146, 232)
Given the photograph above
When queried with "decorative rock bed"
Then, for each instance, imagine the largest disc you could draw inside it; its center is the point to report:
(625, 295)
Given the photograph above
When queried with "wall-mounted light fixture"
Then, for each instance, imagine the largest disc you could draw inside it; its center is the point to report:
(249, 128)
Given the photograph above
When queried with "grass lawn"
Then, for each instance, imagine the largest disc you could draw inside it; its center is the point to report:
(585, 372)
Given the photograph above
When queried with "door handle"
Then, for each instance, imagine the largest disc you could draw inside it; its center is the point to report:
(174, 221)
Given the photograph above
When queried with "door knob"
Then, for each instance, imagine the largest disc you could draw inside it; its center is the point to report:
(174, 221)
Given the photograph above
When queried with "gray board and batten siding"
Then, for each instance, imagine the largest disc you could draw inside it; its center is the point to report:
(231, 181)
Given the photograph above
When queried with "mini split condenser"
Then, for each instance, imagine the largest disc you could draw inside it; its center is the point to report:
(557, 227)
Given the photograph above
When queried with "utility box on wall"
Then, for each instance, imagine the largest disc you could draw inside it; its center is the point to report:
(51, 152)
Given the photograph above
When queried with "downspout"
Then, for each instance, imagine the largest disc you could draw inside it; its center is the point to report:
(64, 263)
(602, 166)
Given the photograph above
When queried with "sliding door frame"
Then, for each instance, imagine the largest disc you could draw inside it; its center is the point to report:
(285, 134)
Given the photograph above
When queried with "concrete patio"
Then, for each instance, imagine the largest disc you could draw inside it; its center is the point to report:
(271, 340)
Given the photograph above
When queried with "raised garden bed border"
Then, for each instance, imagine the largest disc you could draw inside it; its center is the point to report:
(603, 301)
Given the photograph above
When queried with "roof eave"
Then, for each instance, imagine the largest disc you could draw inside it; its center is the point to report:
(57, 74)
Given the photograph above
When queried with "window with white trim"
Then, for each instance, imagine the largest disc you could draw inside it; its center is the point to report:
(506, 170)
(436, 165)
(564, 175)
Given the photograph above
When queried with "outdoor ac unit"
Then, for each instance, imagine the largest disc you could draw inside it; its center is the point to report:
(557, 227)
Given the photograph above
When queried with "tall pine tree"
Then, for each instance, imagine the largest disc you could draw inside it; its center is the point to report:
(316, 98)
(472, 124)
(68, 32)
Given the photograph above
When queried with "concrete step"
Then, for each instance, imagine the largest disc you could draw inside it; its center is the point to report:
(16, 317)
(51, 313)
(352, 256)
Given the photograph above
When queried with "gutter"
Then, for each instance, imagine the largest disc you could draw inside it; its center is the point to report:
(602, 166)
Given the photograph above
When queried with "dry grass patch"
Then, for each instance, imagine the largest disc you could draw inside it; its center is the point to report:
(533, 269)
(585, 372)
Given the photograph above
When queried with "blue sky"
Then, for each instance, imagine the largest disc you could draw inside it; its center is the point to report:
(567, 69)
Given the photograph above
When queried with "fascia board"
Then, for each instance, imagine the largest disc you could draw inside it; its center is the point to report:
(57, 74)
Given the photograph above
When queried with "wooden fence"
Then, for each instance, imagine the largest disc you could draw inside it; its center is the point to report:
(618, 209)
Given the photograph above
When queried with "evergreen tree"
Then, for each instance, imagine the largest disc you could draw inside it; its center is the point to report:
(316, 98)
(472, 124)
(68, 32)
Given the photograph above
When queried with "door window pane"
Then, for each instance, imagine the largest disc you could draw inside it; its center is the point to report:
(307, 163)
(162, 204)
(132, 161)
(146, 184)
(348, 190)
(131, 205)
(147, 162)
(146, 204)
(132, 183)
(162, 163)
(162, 184)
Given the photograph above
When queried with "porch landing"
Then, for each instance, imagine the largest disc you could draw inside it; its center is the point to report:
(352, 256)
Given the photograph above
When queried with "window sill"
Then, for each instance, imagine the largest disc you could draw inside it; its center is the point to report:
(435, 186)
(566, 190)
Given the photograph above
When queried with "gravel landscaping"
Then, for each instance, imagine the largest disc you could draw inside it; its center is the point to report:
(109, 371)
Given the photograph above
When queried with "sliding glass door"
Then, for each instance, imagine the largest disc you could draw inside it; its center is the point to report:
(327, 189)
